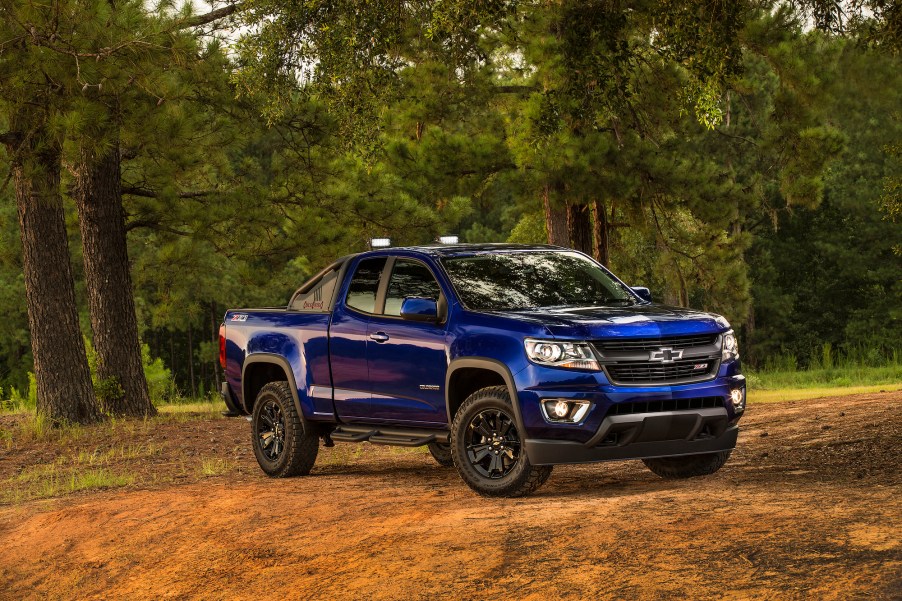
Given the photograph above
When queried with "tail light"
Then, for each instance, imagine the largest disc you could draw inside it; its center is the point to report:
(222, 346)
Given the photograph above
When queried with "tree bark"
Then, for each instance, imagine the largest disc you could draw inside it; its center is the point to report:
(600, 245)
(215, 338)
(191, 360)
(555, 220)
(98, 198)
(579, 228)
(64, 390)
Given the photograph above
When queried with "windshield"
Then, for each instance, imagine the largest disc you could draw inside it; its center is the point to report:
(530, 280)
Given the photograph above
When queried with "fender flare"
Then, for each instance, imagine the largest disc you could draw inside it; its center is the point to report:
(273, 360)
(488, 364)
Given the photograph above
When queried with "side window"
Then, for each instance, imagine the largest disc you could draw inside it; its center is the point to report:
(409, 278)
(319, 297)
(362, 290)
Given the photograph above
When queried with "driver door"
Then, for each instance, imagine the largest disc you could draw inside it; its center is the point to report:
(407, 359)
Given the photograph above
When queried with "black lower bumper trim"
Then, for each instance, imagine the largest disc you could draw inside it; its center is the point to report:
(551, 452)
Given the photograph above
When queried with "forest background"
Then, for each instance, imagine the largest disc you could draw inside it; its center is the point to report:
(738, 157)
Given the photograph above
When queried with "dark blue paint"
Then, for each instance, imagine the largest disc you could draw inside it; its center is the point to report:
(373, 368)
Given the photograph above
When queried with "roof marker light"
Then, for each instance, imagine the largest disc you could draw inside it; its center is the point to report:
(453, 239)
(380, 242)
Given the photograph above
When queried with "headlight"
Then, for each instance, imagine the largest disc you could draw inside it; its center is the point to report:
(730, 346)
(573, 355)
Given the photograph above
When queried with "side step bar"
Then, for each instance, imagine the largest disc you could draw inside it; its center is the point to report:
(400, 437)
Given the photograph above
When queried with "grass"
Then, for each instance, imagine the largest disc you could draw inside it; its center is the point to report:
(55, 479)
(216, 467)
(205, 407)
(815, 392)
(834, 377)
(76, 471)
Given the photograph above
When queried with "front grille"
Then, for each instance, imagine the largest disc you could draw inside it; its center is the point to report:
(654, 372)
(708, 402)
(654, 361)
(652, 344)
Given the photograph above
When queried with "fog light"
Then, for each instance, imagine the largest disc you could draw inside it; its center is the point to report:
(737, 395)
(564, 411)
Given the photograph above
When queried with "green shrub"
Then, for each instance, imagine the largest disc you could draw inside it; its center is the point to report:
(160, 384)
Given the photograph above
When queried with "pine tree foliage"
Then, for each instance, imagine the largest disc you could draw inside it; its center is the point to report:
(733, 156)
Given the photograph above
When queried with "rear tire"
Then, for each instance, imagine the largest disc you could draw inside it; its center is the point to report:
(488, 449)
(688, 466)
(283, 443)
(441, 452)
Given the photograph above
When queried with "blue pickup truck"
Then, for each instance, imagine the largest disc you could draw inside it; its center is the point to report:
(502, 359)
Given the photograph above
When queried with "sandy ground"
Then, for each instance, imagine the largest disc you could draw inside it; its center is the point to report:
(808, 507)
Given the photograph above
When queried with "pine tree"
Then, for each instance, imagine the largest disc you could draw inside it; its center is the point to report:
(64, 391)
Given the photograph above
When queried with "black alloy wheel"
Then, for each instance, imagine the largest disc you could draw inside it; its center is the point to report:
(271, 430)
(492, 443)
(487, 447)
(284, 443)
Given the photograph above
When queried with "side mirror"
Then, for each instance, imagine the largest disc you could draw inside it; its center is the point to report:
(643, 293)
(415, 308)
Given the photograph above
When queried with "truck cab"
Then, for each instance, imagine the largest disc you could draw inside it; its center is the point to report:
(503, 359)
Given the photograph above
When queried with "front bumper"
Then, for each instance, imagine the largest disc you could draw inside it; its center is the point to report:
(536, 385)
(642, 436)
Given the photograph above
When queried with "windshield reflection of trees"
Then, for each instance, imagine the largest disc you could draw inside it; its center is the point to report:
(512, 281)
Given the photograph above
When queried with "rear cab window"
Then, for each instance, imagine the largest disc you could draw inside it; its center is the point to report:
(364, 285)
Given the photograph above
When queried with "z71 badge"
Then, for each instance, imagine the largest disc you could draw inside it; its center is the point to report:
(239, 317)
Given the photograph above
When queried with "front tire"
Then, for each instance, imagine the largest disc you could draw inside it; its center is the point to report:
(488, 449)
(283, 443)
(688, 466)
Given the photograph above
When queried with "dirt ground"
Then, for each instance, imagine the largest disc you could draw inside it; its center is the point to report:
(808, 507)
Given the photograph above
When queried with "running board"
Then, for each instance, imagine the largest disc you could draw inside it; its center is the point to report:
(400, 437)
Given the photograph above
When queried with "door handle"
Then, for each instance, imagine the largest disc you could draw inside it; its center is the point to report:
(379, 337)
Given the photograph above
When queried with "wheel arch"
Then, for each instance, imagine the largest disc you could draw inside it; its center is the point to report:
(260, 369)
(486, 372)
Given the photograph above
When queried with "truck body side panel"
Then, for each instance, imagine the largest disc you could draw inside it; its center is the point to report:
(300, 338)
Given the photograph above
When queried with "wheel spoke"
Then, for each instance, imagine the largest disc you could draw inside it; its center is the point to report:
(504, 428)
(484, 429)
(499, 422)
(271, 430)
(496, 465)
(481, 454)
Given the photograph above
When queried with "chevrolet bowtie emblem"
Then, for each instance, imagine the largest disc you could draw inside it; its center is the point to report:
(665, 355)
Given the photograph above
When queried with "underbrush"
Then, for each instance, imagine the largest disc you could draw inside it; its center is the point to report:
(837, 377)
(855, 366)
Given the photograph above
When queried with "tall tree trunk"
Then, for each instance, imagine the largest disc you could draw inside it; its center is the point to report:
(600, 245)
(555, 220)
(64, 389)
(98, 197)
(215, 338)
(579, 228)
(191, 360)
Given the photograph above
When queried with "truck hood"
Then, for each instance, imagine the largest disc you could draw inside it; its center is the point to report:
(638, 321)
